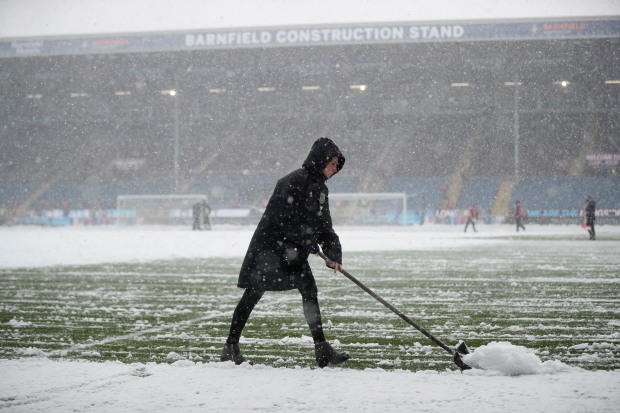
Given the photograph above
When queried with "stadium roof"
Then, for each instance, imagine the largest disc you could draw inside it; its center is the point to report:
(44, 18)
(354, 28)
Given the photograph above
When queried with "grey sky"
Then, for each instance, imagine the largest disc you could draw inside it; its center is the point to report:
(38, 18)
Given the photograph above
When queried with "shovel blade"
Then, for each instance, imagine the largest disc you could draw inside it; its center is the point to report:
(460, 350)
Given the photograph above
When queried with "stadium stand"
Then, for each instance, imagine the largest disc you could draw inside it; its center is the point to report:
(562, 192)
(446, 119)
(423, 192)
(480, 191)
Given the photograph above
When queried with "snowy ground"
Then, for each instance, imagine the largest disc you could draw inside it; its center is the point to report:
(39, 247)
(513, 378)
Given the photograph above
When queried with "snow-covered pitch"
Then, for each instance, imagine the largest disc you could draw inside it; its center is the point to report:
(512, 378)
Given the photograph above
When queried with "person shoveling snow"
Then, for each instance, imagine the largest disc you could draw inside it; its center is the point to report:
(295, 223)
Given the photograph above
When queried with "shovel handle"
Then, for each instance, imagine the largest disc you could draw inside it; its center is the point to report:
(390, 306)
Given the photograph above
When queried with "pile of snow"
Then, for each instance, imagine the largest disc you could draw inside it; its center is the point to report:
(510, 360)
(18, 323)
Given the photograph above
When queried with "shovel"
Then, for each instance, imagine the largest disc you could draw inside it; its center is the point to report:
(457, 352)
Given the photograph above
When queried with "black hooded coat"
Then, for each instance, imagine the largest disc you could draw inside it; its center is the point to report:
(590, 211)
(295, 223)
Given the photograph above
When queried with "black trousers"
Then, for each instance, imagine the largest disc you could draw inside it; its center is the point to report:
(470, 221)
(310, 301)
(590, 223)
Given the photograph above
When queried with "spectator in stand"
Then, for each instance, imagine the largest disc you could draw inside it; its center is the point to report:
(519, 213)
(196, 212)
(206, 211)
(472, 214)
(66, 209)
(590, 216)
(295, 223)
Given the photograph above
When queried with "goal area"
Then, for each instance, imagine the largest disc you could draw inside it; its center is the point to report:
(157, 209)
(381, 208)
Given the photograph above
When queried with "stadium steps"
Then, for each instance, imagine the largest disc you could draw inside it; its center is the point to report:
(22, 208)
(502, 201)
(579, 163)
(376, 177)
(456, 181)
(479, 190)
(185, 184)
(454, 190)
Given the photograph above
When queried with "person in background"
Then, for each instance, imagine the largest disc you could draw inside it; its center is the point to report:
(472, 214)
(295, 223)
(519, 215)
(206, 211)
(590, 216)
(196, 211)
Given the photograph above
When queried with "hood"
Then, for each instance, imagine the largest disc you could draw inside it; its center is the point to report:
(321, 152)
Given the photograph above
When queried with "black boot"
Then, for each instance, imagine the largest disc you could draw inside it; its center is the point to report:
(231, 352)
(325, 355)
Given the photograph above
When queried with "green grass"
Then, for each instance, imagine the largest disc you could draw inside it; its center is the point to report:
(545, 294)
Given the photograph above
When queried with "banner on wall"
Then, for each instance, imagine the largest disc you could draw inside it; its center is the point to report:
(603, 159)
(381, 33)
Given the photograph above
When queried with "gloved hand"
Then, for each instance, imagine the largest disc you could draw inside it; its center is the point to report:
(336, 266)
